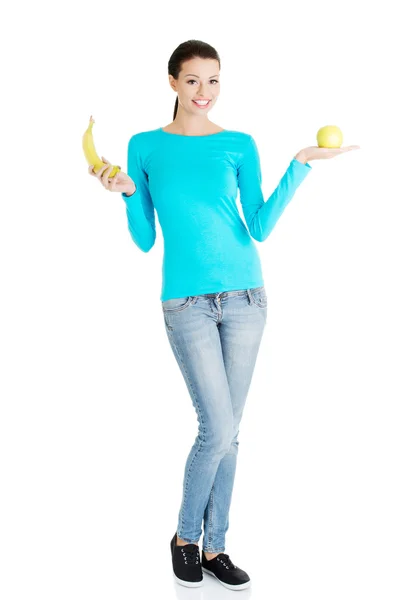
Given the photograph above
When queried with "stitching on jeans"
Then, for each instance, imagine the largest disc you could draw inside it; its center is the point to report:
(190, 302)
(259, 298)
(210, 527)
(169, 328)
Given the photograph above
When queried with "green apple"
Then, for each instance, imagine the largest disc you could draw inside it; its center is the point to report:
(329, 136)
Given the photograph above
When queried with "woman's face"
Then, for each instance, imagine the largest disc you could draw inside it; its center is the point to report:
(198, 80)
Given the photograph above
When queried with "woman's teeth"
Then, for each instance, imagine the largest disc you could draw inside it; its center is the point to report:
(201, 102)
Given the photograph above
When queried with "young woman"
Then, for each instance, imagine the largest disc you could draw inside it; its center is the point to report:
(213, 297)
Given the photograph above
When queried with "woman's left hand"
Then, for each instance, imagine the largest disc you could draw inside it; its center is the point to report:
(315, 152)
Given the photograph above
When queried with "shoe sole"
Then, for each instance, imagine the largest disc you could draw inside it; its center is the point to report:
(188, 583)
(183, 581)
(240, 586)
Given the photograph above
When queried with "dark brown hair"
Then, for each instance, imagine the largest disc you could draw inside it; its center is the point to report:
(187, 51)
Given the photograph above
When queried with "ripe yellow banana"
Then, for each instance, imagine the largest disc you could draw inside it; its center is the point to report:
(90, 151)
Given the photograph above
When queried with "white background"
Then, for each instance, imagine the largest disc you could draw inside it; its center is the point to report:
(96, 422)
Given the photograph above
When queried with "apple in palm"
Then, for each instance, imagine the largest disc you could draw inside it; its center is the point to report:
(329, 136)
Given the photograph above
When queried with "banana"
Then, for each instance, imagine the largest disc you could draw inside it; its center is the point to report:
(90, 151)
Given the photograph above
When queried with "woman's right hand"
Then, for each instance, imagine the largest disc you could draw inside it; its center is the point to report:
(121, 182)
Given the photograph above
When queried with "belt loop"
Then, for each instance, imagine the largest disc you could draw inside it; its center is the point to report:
(250, 298)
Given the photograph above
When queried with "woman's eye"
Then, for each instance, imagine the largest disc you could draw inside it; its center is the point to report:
(190, 80)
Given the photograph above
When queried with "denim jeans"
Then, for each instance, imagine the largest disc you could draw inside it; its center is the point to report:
(215, 339)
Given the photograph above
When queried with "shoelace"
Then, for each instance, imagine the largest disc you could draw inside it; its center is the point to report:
(226, 561)
(191, 555)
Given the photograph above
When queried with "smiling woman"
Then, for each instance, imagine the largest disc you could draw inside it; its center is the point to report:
(213, 298)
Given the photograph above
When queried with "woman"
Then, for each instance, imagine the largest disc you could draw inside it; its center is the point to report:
(213, 297)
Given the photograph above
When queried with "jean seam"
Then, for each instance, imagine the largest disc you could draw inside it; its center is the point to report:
(210, 525)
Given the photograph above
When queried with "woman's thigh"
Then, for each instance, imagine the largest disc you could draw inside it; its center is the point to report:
(194, 338)
(241, 331)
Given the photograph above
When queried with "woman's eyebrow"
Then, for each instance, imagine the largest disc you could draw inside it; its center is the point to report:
(191, 74)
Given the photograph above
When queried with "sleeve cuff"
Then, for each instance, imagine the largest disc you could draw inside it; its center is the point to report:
(302, 164)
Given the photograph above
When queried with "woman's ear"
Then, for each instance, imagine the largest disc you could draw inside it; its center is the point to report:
(172, 82)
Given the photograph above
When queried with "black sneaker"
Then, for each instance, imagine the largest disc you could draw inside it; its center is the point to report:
(223, 569)
(186, 564)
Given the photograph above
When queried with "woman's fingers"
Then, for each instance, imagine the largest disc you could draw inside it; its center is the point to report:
(113, 182)
(348, 148)
(101, 171)
(92, 172)
(106, 173)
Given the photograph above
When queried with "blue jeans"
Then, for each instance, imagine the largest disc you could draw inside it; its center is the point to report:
(215, 339)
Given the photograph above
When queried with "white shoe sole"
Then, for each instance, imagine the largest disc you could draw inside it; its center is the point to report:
(188, 583)
(240, 586)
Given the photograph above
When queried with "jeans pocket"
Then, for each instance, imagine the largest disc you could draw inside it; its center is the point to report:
(177, 304)
(259, 296)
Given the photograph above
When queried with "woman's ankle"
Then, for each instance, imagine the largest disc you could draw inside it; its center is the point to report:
(211, 555)
(180, 542)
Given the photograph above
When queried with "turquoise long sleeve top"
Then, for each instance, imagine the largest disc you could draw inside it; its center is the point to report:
(192, 182)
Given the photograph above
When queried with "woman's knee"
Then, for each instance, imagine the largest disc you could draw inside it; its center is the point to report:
(218, 440)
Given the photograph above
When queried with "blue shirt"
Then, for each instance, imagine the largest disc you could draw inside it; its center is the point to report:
(192, 183)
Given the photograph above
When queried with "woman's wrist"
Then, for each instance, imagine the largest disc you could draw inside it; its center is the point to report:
(130, 192)
(301, 157)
